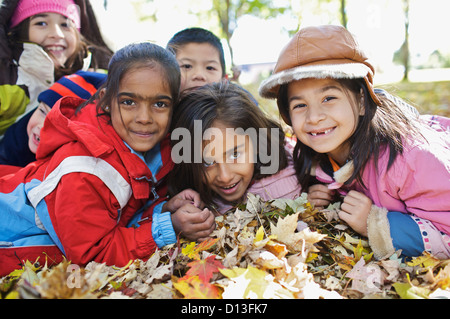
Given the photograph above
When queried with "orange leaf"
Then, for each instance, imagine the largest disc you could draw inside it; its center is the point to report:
(194, 288)
(204, 268)
(192, 252)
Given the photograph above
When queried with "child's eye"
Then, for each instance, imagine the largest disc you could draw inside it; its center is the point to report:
(235, 155)
(127, 102)
(161, 104)
(329, 98)
(210, 68)
(186, 66)
(298, 106)
(208, 164)
(40, 23)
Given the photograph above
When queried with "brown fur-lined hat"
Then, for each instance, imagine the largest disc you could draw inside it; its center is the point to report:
(327, 51)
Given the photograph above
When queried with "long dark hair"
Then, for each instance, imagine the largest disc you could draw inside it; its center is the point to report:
(234, 107)
(380, 129)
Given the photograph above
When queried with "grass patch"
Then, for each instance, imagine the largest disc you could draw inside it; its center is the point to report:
(427, 97)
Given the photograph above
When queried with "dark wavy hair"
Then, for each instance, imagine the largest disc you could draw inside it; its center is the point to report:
(380, 128)
(234, 107)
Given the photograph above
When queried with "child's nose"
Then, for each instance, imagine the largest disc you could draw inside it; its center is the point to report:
(225, 175)
(315, 114)
(144, 115)
(199, 75)
(56, 31)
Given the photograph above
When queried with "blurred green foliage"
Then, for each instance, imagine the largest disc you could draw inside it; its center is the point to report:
(427, 97)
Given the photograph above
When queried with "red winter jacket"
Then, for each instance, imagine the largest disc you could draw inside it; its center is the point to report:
(83, 190)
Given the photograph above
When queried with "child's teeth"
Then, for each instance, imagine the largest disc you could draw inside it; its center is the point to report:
(324, 132)
(55, 48)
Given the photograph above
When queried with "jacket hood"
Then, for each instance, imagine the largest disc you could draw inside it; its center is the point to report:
(63, 126)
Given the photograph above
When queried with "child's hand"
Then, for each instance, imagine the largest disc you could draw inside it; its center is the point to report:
(354, 211)
(193, 223)
(182, 198)
(320, 196)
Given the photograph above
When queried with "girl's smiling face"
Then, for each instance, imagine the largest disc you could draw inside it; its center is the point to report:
(228, 163)
(55, 33)
(141, 112)
(324, 115)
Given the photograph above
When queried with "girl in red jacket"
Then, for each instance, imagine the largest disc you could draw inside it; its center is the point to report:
(97, 190)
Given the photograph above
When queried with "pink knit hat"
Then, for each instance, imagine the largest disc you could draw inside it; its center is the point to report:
(28, 8)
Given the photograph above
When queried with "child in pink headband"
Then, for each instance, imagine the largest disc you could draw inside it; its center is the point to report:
(41, 41)
(28, 8)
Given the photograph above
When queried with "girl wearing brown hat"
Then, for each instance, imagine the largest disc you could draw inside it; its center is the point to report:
(389, 166)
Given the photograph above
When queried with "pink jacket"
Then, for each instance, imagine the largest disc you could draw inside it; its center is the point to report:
(418, 182)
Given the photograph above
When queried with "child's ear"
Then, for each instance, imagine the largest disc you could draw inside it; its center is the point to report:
(101, 93)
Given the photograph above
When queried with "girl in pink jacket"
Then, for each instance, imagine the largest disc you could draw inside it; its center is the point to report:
(388, 166)
(224, 146)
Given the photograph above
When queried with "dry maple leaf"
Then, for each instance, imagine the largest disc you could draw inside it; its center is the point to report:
(192, 250)
(204, 268)
(252, 283)
(192, 287)
(285, 232)
(264, 254)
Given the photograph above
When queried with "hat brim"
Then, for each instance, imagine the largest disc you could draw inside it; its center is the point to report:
(269, 87)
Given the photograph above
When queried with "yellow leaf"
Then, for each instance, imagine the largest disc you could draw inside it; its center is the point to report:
(360, 251)
(13, 295)
(192, 250)
(259, 235)
(29, 273)
(252, 283)
(408, 291)
(426, 260)
(188, 250)
(311, 257)
(16, 273)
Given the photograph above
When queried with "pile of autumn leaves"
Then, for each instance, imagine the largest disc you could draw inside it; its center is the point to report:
(276, 249)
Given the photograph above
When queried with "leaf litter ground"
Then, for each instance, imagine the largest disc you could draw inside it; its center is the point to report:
(276, 249)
